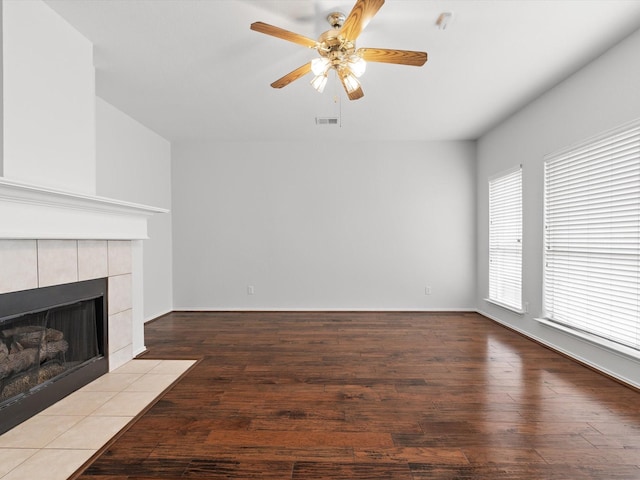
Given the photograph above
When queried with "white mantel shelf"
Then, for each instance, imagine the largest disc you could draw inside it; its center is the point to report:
(35, 212)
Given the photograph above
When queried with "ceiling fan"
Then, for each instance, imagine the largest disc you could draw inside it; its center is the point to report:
(337, 50)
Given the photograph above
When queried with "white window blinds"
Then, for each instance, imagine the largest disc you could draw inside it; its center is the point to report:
(592, 237)
(505, 239)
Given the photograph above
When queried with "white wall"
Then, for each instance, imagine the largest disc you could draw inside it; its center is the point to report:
(134, 164)
(1, 94)
(49, 114)
(601, 96)
(361, 226)
(49, 99)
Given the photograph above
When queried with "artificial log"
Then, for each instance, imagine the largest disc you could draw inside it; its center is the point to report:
(22, 382)
(19, 362)
(52, 349)
(15, 347)
(16, 385)
(31, 335)
(29, 339)
(53, 335)
(24, 352)
(49, 370)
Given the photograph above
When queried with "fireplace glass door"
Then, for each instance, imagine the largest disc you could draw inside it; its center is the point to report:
(37, 347)
(53, 341)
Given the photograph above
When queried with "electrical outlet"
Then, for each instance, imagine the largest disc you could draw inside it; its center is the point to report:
(427, 290)
(251, 290)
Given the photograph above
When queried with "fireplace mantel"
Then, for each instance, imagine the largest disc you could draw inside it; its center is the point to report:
(36, 212)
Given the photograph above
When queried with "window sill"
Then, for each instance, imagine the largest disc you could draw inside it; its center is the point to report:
(505, 306)
(593, 339)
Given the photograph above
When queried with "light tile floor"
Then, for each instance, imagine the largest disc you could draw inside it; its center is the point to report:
(55, 443)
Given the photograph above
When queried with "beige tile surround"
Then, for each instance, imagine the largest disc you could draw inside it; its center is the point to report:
(27, 264)
(55, 443)
(19, 260)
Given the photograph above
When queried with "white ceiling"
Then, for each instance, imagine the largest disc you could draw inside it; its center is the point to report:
(192, 69)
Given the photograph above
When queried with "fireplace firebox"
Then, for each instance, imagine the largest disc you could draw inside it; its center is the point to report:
(53, 341)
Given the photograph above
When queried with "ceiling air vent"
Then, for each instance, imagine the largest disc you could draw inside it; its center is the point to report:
(327, 121)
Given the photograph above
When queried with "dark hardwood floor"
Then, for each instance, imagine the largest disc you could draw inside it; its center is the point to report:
(406, 396)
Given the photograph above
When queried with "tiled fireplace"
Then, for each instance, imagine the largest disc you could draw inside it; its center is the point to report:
(28, 264)
(50, 238)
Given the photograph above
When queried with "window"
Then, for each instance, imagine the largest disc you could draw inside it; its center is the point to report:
(592, 237)
(505, 239)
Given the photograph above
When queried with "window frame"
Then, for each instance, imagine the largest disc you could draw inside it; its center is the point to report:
(607, 148)
(509, 192)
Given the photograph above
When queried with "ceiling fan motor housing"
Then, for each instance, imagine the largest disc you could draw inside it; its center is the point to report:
(336, 20)
(334, 47)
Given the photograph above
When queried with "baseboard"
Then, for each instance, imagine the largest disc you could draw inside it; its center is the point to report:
(158, 315)
(562, 351)
(320, 309)
(140, 351)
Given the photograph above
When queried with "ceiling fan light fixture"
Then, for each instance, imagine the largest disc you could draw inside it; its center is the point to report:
(320, 65)
(351, 83)
(357, 65)
(319, 82)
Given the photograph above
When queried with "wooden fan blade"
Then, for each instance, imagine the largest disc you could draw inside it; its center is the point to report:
(401, 57)
(360, 15)
(291, 76)
(283, 34)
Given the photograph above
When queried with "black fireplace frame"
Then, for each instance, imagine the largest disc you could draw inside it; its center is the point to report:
(46, 394)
